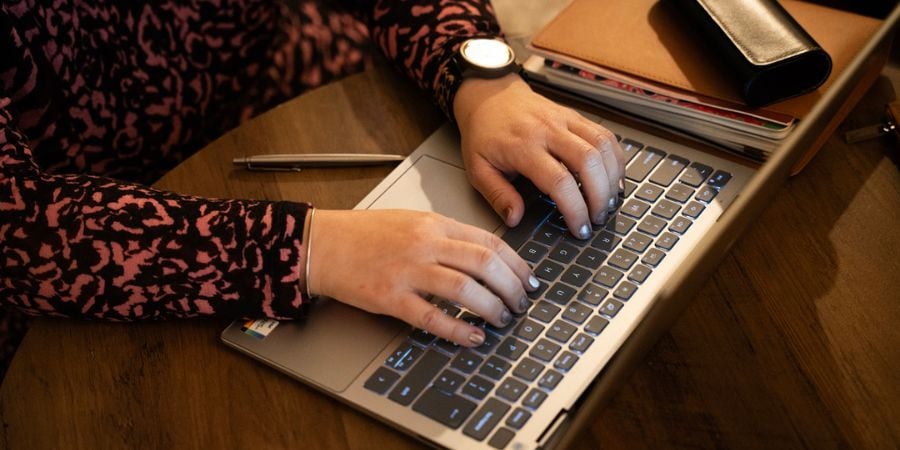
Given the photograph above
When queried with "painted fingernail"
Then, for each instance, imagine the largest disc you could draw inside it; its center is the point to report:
(505, 317)
(476, 338)
(533, 282)
(523, 304)
(585, 231)
(601, 218)
(612, 202)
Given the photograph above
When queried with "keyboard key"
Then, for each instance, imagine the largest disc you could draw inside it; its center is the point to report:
(448, 308)
(637, 242)
(404, 357)
(494, 368)
(719, 179)
(605, 241)
(472, 319)
(535, 213)
(643, 163)
(639, 274)
(490, 343)
(447, 346)
(558, 220)
(550, 379)
(620, 224)
(607, 276)
(381, 380)
(511, 389)
(544, 311)
(591, 258)
(518, 418)
(511, 348)
(581, 343)
(611, 307)
(422, 337)
(448, 409)
(561, 331)
(649, 192)
(501, 438)
(478, 387)
(532, 251)
(622, 259)
(484, 421)
(537, 293)
(629, 188)
(592, 294)
(544, 350)
(576, 276)
(668, 170)
(680, 193)
(680, 225)
(624, 291)
(418, 377)
(565, 361)
(652, 225)
(547, 235)
(548, 270)
(466, 361)
(596, 325)
(529, 330)
(528, 369)
(706, 194)
(560, 293)
(576, 312)
(534, 398)
(635, 208)
(696, 174)
(693, 209)
(667, 241)
(653, 257)
(564, 253)
(630, 148)
(449, 381)
(665, 209)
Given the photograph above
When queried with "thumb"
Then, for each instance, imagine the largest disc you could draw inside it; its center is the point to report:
(498, 191)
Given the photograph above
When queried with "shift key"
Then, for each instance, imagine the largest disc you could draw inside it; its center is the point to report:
(448, 409)
(644, 163)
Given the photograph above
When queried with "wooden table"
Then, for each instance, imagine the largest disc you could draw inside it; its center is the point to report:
(793, 342)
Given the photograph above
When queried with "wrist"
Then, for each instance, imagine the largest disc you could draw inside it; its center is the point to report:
(475, 91)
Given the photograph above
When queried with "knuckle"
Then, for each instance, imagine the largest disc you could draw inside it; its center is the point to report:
(592, 161)
(560, 180)
(487, 260)
(460, 285)
(430, 319)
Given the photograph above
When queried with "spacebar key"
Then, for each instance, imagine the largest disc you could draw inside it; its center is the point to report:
(448, 409)
(418, 377)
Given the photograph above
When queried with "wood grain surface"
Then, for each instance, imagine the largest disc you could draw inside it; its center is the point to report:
(793, 343)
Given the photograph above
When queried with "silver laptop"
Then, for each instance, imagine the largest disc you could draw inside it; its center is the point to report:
(604, 301)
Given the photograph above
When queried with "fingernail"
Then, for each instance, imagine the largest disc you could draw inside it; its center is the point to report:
(585, 231)
(621, 185)
(476, 338)
(523, 304)
(612, 202)
(601, 218)
(533, 282)
(507, 214)
(505, 317)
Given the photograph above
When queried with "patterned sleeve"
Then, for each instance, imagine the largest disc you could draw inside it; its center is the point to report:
(420, 37)
(84, 246)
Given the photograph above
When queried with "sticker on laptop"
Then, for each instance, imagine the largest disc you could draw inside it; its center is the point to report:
(259, 328)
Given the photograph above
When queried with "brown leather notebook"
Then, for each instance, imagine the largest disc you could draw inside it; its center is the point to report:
(647, 39)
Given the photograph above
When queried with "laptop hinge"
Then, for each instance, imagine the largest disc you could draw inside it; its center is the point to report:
(553, 429)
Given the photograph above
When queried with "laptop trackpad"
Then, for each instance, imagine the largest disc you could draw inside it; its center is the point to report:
(332, 346)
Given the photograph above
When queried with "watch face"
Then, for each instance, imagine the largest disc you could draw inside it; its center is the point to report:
(487, 53)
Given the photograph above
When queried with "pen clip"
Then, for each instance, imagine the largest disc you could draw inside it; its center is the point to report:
(253, 168)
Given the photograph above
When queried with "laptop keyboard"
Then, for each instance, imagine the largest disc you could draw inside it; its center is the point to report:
(491, 391)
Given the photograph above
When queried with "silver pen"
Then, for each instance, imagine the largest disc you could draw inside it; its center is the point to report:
(296, 162)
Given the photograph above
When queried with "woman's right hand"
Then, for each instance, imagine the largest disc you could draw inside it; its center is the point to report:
(387, 261)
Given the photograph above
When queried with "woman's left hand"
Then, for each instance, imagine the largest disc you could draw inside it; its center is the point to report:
(508, 129)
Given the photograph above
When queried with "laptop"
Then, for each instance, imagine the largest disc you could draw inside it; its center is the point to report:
(603, 303)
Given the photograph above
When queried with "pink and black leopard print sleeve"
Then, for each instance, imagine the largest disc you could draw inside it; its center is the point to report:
(97, 96)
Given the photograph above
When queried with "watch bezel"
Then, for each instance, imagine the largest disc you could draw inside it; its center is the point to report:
(470, 67)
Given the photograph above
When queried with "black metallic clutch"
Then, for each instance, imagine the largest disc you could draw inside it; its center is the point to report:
(767, 52)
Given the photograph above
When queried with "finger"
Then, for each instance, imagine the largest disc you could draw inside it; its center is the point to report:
(489, 240)
(583, 158)
(419, 313)
(463, 289)
(605, 141)
(494, 187)
(555, 180)
(483, 263)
